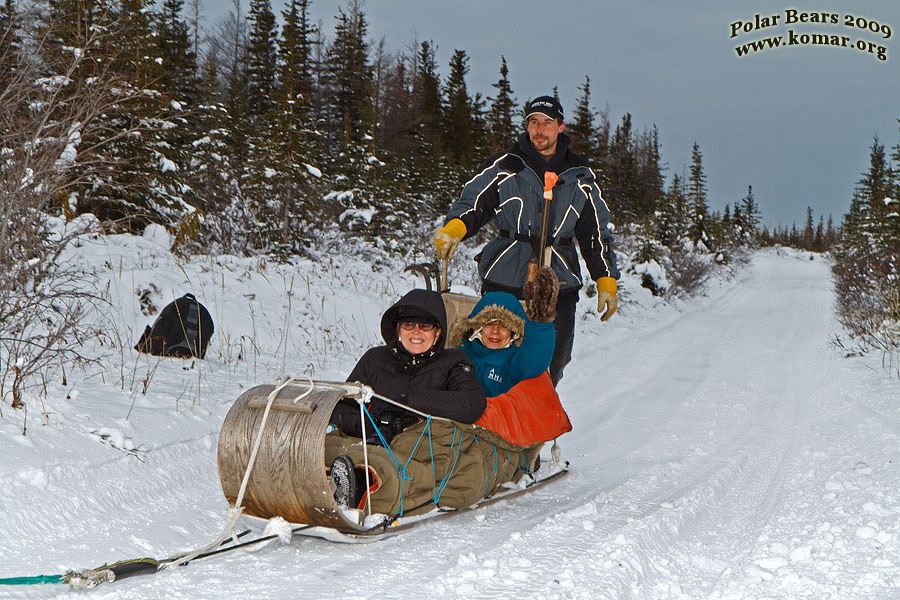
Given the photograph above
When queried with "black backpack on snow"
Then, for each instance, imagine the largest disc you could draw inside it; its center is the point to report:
(182, 330)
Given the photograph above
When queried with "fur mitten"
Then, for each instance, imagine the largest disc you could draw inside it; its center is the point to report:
(540, 296)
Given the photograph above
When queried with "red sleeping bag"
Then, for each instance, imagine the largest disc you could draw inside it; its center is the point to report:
(528, 414)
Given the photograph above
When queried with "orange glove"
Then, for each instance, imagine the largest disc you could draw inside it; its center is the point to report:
(606, 297)
(447, 238)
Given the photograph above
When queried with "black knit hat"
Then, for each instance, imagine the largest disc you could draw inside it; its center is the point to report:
(547, 106)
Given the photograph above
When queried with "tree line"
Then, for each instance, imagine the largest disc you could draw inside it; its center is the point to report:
(257, 135)
(867, 258)
(815, 236)
(263, 135)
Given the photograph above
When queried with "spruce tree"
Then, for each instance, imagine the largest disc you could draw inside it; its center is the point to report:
(173, 40)
(122, 162)
(852, 240)
(819, 239)
(622, 173)
(82, 28)
(261, 57)
(670, 219)
(397, 131)
(350, 81)
(72, 21)
(426, 115)
(809, 233)
(151, 165)
(750, 212)
(581, 126)
(867, 227)
(867, 258)
(877, 188)
(831, 234)
(649, 184)
(457, 112)
(237, 117)
(179, 86)
(696, 199)
(500, 122)
(295, 53)
(280, 175)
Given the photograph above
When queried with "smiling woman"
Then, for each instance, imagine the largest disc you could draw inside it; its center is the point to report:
(505, 345)
(417, 337)
(495, 335)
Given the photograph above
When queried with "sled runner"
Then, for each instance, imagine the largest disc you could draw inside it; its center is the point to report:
(384, 527)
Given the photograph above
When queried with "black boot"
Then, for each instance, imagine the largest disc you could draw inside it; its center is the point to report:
(342, 473)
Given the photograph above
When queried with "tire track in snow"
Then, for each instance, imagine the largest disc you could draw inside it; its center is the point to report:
(725, 486)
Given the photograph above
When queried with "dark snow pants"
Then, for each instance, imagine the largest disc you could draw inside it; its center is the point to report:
(565, 334)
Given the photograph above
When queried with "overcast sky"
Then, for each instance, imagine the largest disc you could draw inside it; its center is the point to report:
(795, 122)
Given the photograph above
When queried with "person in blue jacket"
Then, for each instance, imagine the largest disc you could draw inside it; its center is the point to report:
(505, 345)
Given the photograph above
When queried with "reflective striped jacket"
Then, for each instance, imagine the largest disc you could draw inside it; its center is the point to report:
(508, 191)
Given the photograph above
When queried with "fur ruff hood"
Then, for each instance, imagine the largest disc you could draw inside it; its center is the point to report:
(494, 306)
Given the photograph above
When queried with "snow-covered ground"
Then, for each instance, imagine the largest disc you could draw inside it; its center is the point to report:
(722, 448)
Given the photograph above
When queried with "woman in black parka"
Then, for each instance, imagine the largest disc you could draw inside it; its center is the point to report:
(412, 368)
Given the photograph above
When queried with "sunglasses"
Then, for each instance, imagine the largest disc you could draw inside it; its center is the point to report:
(408, 326)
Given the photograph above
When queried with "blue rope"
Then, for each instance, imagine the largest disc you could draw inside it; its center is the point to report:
(437, 488)
(401, 473)
(446, 479)
(431, 453)
(496, 468)
(384, 442)
(33, 580)
(486, 478)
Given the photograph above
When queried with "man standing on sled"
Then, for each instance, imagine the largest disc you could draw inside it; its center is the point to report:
(508, 189)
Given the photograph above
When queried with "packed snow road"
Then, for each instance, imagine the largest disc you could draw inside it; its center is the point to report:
(725, 450)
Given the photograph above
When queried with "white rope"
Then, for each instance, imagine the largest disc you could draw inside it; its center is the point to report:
(367, 394)
(234, 512)
(308, 391)
(409, 408)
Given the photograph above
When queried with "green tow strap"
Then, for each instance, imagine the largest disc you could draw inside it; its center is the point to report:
(90, 578)
(33, 580)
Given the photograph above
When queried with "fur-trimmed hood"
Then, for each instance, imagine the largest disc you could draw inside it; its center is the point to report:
(493, 306)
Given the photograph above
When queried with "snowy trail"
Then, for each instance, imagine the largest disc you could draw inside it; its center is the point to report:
(725, 451)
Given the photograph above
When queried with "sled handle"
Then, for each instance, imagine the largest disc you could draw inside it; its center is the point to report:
(443, 283)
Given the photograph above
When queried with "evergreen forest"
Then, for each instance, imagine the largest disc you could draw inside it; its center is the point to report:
(264, 132)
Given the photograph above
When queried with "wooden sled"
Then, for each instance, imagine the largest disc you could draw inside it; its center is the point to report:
(289, 477)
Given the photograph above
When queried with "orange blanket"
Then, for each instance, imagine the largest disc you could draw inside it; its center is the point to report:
(528, 414)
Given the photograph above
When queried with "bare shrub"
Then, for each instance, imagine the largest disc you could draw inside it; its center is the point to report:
(53, 134)
(687, 271)
(868, 306)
